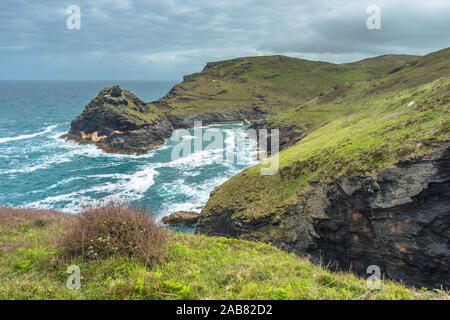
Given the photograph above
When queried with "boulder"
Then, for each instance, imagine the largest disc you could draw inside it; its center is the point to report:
(181, 217)
(116, 91)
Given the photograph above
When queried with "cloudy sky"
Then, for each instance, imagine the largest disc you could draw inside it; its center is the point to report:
(165, 39)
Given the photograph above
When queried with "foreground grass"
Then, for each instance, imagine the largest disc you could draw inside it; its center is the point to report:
(195, 267)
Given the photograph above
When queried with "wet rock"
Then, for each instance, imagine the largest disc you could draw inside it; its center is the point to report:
(181, 217)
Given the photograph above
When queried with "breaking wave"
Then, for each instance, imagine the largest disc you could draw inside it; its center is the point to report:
(28, 136)
(53, 173)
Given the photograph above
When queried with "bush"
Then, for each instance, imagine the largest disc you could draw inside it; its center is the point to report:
(115, 229)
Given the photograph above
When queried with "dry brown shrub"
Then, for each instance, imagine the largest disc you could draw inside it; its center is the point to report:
(115, 229)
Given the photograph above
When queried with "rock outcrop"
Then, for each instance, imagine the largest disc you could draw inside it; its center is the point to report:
(118, 121)
(181, 217)
(398, 220)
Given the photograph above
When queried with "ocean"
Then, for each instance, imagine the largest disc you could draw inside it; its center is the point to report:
(38, 169)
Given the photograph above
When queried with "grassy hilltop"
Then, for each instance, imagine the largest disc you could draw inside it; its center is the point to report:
(271, 84)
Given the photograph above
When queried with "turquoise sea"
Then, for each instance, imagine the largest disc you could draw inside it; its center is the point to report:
(40, 170)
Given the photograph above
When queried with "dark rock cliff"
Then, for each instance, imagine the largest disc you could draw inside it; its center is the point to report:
(398, 220)
(287, 135)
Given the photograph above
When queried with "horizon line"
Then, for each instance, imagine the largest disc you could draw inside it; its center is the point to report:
(173, 80)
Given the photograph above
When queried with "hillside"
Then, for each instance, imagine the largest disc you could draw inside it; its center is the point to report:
(358, 128)
(252, 88)
(368, 183)
(364, 173)
(266, 84)
(195, 267)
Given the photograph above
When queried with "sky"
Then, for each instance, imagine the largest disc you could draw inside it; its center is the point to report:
(166, 39)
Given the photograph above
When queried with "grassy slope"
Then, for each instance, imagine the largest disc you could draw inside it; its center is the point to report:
(357, 129)
(273, 83)
(197, 267)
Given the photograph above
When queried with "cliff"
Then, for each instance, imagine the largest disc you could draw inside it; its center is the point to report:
(253, 89)
(368, 184)
(398, 220)
(363, 172)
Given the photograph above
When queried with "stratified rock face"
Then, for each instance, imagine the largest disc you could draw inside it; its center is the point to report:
(181, 217)
(398, 220)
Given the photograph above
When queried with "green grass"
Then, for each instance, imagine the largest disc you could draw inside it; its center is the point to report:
(196, 267)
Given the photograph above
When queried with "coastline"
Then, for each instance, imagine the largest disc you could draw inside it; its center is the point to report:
(356, 173)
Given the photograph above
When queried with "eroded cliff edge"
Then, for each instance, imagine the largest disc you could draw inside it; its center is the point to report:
(398, 220)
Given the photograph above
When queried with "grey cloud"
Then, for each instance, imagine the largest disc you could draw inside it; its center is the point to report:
(405, 28)
(164, 39)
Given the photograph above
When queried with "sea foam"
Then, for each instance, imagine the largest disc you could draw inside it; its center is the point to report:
(28, 136)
